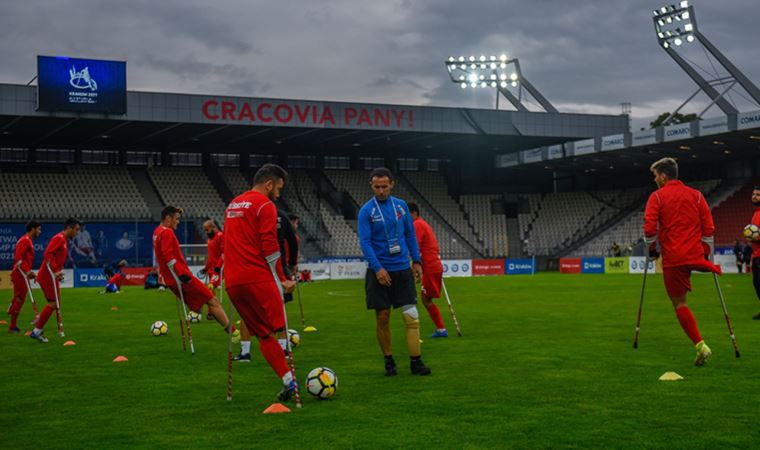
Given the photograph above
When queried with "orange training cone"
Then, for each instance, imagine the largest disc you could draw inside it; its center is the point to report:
(276, 408)
(3, 322)
(28, 333)
(69, 343)
(120, 359)
(114, 308)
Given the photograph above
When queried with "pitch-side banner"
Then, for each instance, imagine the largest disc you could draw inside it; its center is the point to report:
(319, 271)
(592, 265)
(570, 265)
(135, 276)
(68, 280)
(89, 278)
(520, 266)
(487, 267)
(727, 263)
(616, 265)
(348, 271)
(5, 279)
(457, 267)
(636, 265)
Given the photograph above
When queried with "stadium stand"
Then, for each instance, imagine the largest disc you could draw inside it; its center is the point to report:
(235, 180)
(628, 231)
(331, 229)
(734, 214)
(565, 217)
(356, 184)
(490, 228)
(432, 186)
(88, 192)
(189, 188)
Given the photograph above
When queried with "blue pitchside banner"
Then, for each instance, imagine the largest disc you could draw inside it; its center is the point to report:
(592, 265)
(520, 266)
(96, 245)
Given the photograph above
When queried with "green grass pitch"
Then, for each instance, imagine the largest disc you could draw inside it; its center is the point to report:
(546, 361)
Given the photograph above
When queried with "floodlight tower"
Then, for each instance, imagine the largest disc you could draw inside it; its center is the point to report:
(497, 73)
(675, 26)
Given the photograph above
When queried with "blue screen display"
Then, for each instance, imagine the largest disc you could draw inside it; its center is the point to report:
(81, 85)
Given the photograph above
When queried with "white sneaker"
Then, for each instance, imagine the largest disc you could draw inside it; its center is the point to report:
(39, 337)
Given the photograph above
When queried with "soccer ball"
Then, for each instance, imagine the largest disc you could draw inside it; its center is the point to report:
(322, 383)
(159, 328)
(751, 232)
(294, 337)
(193, 317)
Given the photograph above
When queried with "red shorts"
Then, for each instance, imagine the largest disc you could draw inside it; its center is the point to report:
(19, 286)
(431, 284)
(260, 306)
(51, 288)
(195, 293)
(678, 278)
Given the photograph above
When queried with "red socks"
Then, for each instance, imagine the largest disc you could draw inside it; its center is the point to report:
(272, 352)
(14, 312)
(688, 323)
(435, 315)
(44, 316)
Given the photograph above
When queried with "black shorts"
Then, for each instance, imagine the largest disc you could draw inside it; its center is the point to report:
(401, 292)
(288, 297)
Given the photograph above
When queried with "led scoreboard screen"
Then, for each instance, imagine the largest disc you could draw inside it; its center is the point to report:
(81, 85)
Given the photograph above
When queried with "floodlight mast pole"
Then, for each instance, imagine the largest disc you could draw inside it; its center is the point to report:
(672, 15)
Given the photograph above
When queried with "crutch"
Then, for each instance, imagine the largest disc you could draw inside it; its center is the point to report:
(300, 304)
(184, 310)
(641, 300)
(58, 316)
(229, 332)
(291, 360)
(29, 288)
(451, 308)
(725, 314)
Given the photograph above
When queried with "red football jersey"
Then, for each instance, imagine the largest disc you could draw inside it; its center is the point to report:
(429, 251)
(679, 217)
(166, 246)
(756, 221)
(215, 252)
(24, 253)
(250, 226)
(55, 253)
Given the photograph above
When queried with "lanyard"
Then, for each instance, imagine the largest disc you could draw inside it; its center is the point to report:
(395, 216)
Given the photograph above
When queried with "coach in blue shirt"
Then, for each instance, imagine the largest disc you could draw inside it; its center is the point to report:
(386, 235)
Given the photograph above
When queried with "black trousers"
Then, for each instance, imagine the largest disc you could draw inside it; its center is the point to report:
(756, 276)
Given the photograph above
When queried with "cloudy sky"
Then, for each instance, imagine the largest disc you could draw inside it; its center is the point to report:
(583, 55)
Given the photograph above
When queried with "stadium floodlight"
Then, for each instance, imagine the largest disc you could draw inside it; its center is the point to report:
(497, 72)
(676, 26)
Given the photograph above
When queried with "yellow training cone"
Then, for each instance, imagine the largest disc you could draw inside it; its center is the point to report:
(309, 329)
(670, 376)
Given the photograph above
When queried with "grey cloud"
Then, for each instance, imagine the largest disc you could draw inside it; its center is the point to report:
(584, 55)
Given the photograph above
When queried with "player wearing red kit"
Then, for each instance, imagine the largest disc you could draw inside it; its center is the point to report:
(679, 217)
(23, 258)
(756, 246)
(214, 257)
(432, 269)
(170, 258)
(251, 256)
(50, 274)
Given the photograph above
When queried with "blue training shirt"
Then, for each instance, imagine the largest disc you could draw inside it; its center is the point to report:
(375, 230)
